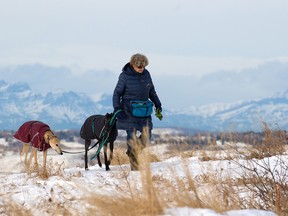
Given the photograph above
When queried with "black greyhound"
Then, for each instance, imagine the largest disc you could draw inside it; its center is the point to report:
(93, 128)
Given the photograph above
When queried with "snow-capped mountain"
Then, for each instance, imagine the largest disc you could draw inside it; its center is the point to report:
(61, 110)
(68, 110)
(239, 116)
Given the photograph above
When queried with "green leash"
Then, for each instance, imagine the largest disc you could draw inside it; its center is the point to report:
(106, 134)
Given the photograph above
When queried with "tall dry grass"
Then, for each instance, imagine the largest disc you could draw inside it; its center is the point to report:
(259, 181)
(260, 184)
(264, 172)
(52, 169)
(11, 208)
(144, 202)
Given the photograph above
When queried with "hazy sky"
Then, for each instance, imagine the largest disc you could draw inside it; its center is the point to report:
(180, 37)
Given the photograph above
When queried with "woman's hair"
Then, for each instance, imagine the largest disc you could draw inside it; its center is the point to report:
(139, 60)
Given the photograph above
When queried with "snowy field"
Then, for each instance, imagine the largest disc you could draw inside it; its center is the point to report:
(70, 185)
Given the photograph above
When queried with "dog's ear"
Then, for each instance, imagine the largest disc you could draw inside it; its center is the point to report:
(109, 115)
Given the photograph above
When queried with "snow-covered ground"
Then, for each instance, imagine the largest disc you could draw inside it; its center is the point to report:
(69, 187)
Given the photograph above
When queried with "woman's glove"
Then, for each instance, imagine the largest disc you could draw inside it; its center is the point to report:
(158, 113)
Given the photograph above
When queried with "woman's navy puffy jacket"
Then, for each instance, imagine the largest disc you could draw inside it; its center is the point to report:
(133, 86)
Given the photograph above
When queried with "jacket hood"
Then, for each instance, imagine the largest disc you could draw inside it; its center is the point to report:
(127, 69)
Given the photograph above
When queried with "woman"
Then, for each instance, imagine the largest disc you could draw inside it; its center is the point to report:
(135, 88)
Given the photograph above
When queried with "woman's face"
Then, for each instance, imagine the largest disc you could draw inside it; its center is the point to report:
(138, 69)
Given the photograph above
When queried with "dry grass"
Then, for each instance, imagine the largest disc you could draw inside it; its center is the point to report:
(183, 150)
(144, 202)
(52, 169)
(265, 182)
(123, 206)
(10, 208)
(261, 181)
(120, 157)
(273, 144)
(264, 188)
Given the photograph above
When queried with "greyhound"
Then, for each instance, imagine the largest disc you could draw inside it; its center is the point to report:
(38, 135)
(93, 128)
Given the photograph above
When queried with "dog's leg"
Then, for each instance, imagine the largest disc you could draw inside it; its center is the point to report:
(36, 167)
(107, 163)
(99, 159)
(29, 160)
(87, 144)
(25, 151)
(111, 150)
(22, 152)
(44, 160)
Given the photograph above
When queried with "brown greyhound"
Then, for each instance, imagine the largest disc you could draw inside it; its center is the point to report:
(38, 135)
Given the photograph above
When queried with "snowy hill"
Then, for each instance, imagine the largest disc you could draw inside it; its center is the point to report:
(68, 110)
(72, 190)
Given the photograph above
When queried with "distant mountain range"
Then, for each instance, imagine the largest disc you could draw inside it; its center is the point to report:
(68, 110)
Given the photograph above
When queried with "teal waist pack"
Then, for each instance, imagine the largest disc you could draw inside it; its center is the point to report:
(141, 108)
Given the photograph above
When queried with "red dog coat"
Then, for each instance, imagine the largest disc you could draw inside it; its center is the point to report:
(33, 132)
